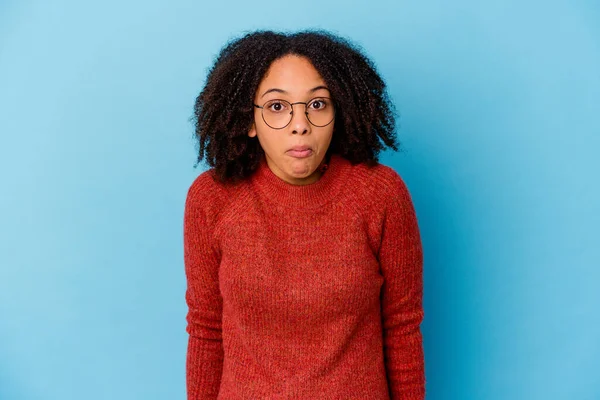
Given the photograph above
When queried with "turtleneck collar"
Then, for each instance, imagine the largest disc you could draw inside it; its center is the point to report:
(313, 195)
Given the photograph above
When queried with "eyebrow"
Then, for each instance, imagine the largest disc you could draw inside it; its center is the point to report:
(284, 92)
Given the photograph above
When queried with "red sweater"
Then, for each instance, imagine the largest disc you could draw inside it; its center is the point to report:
(304, 292)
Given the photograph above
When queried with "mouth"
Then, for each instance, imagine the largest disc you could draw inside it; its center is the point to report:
(300, 148)
(300, 151)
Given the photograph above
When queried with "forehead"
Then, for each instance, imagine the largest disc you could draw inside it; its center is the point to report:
(291, 73)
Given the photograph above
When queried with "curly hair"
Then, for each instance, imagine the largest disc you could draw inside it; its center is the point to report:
(223, 111)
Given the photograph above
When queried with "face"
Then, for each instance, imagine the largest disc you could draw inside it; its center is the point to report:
(294, 79)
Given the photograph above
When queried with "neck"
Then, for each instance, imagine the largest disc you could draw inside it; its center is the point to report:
(332, 177)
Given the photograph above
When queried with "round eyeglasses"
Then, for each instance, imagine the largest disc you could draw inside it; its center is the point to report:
(277, 113)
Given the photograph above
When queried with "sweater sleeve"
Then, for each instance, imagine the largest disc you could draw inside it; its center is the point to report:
(204, 359)
(401, 261)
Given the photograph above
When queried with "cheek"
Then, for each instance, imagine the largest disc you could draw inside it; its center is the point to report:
(271, 139)
(326, 136)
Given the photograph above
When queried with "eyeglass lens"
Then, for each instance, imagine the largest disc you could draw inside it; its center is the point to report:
(278, 113)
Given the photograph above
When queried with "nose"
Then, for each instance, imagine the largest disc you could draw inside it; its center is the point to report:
(300, 120)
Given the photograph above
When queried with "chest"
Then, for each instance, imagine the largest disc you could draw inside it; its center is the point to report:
(299, 265)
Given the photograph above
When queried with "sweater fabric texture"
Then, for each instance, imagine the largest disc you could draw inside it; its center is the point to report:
(304, 291)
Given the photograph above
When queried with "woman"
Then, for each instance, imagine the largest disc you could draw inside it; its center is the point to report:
(302, 252)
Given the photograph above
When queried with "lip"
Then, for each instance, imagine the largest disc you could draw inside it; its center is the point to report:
(300, 152)
(299, 148)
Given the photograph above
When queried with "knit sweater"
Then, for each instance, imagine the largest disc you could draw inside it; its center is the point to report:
(304, 291)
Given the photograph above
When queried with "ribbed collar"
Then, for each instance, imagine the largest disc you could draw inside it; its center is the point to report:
(313, 195)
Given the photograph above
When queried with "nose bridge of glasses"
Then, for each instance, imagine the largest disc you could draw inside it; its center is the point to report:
(305, 110)
(300, 102)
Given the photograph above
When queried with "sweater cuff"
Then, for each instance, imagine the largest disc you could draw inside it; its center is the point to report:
(204, 366)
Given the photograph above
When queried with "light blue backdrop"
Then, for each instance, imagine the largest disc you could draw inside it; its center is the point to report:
(500, 111)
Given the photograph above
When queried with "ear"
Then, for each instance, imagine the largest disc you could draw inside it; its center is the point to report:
(252, 131)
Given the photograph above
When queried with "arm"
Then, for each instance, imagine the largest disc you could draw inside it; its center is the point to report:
(401, 261)
(204, 360)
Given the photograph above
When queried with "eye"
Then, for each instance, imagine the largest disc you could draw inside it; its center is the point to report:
(318, 104)
(276, 106)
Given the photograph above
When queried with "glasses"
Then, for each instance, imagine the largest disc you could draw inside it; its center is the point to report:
(277, 113)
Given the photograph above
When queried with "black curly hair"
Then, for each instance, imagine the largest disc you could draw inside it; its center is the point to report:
(224, 113)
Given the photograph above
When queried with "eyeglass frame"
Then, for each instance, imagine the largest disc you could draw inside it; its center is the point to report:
(292, 112)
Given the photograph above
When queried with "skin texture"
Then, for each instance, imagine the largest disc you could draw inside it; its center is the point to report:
(296, 76)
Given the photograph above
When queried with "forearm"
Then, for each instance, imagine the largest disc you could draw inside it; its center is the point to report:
(204, 366)
(405, 363)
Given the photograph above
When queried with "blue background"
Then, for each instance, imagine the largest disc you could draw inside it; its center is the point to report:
(499, 108)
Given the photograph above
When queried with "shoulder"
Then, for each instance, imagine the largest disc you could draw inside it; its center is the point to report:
(207, 194)
(380, 181)
(203, 187)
